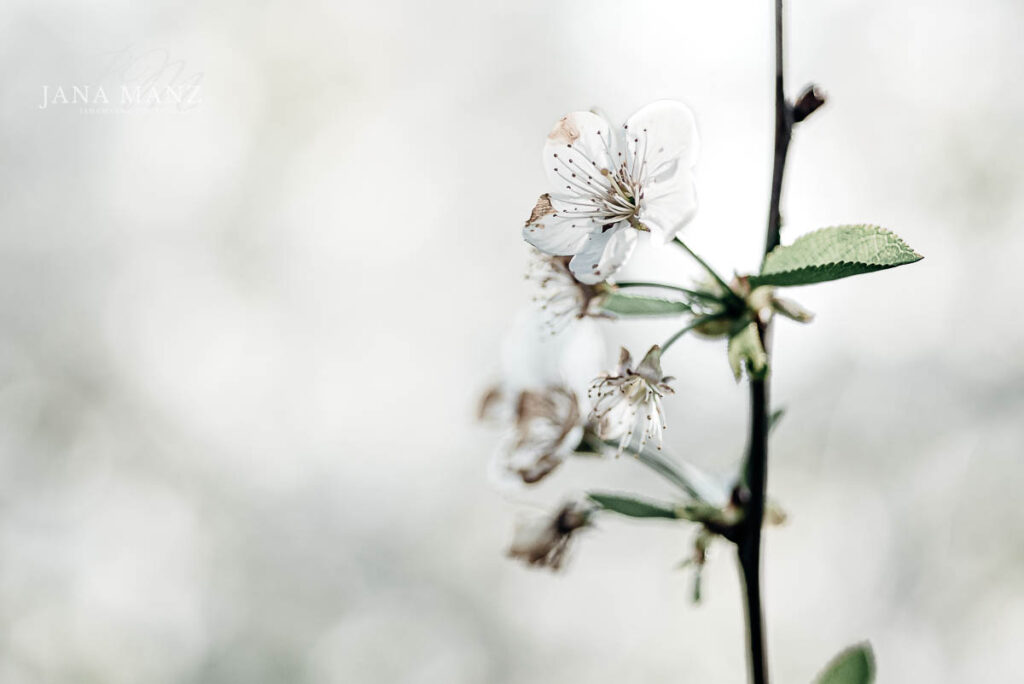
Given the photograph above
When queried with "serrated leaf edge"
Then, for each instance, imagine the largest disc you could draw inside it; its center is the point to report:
(846, 225)
(762, 278)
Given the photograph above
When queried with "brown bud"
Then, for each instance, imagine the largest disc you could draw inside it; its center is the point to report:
(807, 103)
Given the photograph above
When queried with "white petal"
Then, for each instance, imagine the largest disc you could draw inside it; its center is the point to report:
(579, 146)
(662, 136)
(556, 235)
(582, 355)
(603, 253)
(669, 203)
(610, 409)
(650, 367)
(616, 422)
(531, 357)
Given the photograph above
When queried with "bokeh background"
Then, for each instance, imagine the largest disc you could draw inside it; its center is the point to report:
(241, 345)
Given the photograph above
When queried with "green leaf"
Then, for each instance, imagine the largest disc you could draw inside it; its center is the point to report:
(638, 305)
(855, 665)
(745, 346)
(633, 507)
(833, 253)
(773, 420)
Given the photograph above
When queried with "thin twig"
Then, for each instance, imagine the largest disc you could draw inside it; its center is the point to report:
(725, 286)
(661, 464)
(695, 323)
(696, 294)
(783, 133)
(669, 471)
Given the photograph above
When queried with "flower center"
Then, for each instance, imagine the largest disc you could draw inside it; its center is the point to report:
(599, 194)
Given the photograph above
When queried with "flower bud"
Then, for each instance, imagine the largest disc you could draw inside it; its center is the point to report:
(718, 327)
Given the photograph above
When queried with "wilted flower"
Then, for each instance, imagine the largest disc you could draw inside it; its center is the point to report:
(563, 297)
(630, 400)
(547, 428)
(544, 542)
(609, 183)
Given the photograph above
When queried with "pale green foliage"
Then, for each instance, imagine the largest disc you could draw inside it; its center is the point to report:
(855, 665)
(638, 305)
(632, 506)
(833, 253)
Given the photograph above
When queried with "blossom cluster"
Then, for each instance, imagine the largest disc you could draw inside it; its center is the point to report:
(607, 186)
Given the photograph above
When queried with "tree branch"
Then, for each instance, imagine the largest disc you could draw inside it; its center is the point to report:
(748, 544)
(783, 133)
(755, 473)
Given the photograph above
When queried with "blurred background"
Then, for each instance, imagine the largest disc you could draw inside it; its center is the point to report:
(242, 342)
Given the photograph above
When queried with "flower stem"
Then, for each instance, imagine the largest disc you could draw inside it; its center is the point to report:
(711, 271)
(696, 294)
(658, 462)
(701, 320)
(668, 470)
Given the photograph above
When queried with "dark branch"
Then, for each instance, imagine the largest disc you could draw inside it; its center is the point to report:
(748, 544)
(783, 134)
(755, 474)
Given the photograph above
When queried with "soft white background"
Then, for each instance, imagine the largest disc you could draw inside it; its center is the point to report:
(241, 346)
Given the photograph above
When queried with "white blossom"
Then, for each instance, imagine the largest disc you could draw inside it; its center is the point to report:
(547, 426)
(608, 184)
(535, 400)
(563, 298)
(630, 401)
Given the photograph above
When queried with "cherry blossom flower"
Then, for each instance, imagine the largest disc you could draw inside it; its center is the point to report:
(563, 297)
(535, 399)
(630, 401)
(547, 428)
(608, 184)
(545, 542)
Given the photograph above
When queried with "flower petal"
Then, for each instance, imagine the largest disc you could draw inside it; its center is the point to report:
(669, 203)
(576, 151)
(662, 135)
(553, 233)
(610, 409)
(603, 253)
(650, 368)
(625, 362)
